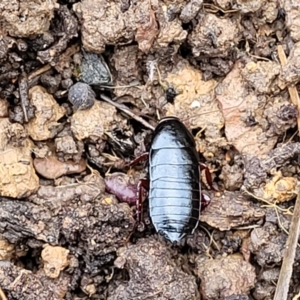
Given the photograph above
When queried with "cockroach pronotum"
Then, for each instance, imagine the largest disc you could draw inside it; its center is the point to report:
(175, 198)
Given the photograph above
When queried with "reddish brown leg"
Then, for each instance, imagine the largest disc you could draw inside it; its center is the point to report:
(206, 177)
(142, 186)
(144, 156)
(205, 200)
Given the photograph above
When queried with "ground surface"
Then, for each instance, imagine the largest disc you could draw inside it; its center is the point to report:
(67, 196)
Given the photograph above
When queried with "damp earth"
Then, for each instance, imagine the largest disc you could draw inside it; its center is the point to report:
(83, 84)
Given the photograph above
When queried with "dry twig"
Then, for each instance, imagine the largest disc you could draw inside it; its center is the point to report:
(2, 295)
(127, 111)
(38, 72)
(286, 270)
(23, 92)
(214, 9)
(296, 297)
(291, 244)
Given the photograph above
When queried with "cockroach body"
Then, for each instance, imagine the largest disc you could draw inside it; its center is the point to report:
(174, 186)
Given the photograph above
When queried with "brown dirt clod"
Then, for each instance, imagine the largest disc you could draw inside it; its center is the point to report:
(94, 122)
(230, 210)
(84, 83)
(225, 277)
(152, 274)
(27, 18)
(52, 168)
(55, 260)
(47, 113)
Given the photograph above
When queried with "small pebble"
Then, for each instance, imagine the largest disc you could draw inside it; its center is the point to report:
(67, 83)
(94, 70)
(81, 95)
(22, 45)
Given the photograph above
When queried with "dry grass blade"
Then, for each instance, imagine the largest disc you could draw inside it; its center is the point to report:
(296, 297)
(127, 111)
(292, 89)
(214, 9)
(38, 72)
(2, 295)
(289, 255)
(23, 92)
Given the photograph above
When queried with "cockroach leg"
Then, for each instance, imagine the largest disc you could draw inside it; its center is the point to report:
(143, 186)
(205, 200)
(206, 176)
(144, 156)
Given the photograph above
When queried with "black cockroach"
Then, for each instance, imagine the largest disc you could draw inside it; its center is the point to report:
(175, 197)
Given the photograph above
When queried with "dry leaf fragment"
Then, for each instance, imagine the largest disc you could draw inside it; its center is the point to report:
(236, 98)
(147, 31)
(230, 210)
(51, 168)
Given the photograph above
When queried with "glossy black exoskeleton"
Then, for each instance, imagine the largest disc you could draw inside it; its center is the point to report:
(175, 198)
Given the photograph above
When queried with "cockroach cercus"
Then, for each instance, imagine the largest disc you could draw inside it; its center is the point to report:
(175, 198)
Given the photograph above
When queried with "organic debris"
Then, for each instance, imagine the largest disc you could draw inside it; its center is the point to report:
(27, 18)
(47, 113)
(152, 273)
(52, 168)
(289, 255)
(55, 260)
(230, 210)
(226, 276)
(83, 85)
(122, 186)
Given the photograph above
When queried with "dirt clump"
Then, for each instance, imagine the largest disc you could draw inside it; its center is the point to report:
(47, 113)
(23, 284)
(152, 273)
(27, 18)
(82, 86)
(230, 210)
(55, 260)
(18, 177)
(225, 277)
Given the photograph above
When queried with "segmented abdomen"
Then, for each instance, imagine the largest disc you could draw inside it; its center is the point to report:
(174, 196)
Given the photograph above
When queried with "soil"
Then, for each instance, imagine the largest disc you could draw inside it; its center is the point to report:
(67, 192)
